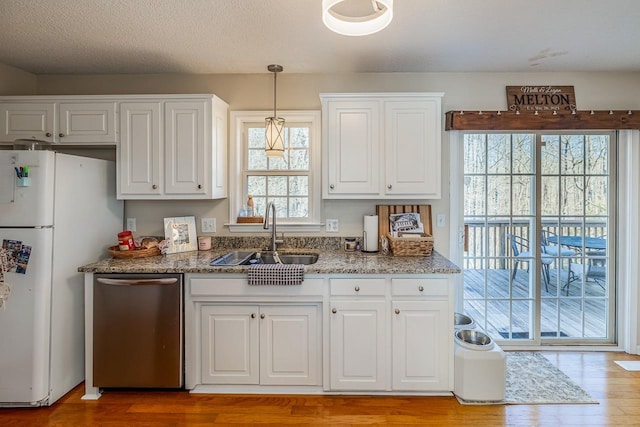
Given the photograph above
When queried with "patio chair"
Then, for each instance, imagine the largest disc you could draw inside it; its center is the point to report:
(520, 247)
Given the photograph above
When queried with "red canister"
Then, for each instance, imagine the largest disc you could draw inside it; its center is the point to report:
(125, 241)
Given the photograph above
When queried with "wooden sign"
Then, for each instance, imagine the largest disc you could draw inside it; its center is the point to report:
(541, 98)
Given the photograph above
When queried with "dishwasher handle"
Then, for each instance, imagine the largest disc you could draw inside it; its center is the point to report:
(137, 282)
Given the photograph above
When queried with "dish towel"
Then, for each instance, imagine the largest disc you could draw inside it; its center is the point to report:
(276, 274)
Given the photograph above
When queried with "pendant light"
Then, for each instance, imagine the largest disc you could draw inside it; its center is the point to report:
(357, 25)
(274, 126)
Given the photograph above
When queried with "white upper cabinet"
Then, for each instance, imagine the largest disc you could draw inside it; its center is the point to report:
(173, 148)
(381, 145)
(58, 121)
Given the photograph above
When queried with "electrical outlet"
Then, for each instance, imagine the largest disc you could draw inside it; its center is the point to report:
(440, 220)
(208, 225)
(131, 224)
(332, 226)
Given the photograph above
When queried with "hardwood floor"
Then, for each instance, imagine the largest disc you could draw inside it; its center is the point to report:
(617, 390)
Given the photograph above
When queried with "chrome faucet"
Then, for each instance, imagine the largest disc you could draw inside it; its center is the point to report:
(274, 240)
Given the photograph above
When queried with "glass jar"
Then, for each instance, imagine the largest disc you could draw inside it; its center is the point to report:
(350, 244)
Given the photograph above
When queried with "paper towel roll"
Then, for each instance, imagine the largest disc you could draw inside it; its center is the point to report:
(370, 236)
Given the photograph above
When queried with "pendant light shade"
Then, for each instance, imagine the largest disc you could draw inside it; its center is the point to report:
(274, 126)
(357, 25)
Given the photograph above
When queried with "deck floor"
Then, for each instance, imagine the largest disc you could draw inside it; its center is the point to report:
(582, 314)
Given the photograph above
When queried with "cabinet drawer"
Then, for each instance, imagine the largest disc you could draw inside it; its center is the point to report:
(420, 287)
(354, 287)
(240, 287)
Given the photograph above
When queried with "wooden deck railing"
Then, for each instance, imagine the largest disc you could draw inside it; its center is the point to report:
(487, 241)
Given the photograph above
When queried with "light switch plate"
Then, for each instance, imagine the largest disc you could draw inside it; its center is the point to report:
(208, 225)
(131, 224)
(441, 220)
(332, 226)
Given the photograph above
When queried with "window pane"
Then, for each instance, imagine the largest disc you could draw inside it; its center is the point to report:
(299, 185)
(474, 190)
(257, 159)
(597, 154)
(474, 154)
(279, 163)
(522, 154)
(299, 137)
(550, 154)
(572, 154)
(255, 136)
(299, 159)
(596, 195)
(550, 201)
(277, 185)
(521, 194)
(281, 206)
(259, 206)
(572, 195)
(298, 207)
(498, 191)
(498, 154)
(257, 185)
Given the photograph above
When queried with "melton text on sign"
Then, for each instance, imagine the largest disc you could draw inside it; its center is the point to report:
(541, 98)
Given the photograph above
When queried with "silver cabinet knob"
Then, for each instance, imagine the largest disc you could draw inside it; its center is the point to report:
(334, 311)
(253, 315)
(48, 134)
(332, 186)
(61, 135)
(262, 316)
(154, 186)
(397, 311)
(357, 288)
(389, 186)
(421, 288)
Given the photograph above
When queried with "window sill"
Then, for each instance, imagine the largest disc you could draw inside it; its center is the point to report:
(300, 228)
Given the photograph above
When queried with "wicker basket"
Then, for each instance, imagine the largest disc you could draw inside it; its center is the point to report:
(250, 220)
(411, 246)
(137, 253)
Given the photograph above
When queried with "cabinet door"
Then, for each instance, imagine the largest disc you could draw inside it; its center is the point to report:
(353, 149)
(358, 340)
(87, 123)
(421, 355)
(229, 350)
(139, 152)
(187, 128)
(27, 120)
(412, 147)
(289, 345)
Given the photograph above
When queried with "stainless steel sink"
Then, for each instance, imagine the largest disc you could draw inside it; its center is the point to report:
(306, 259)
(234, 258)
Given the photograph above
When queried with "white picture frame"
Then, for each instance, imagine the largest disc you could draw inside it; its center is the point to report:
(180, 232)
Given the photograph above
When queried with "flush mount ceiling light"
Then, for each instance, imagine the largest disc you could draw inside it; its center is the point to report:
(358, 25)
(274, 126)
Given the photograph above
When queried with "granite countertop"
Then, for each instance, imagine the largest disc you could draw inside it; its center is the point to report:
(329, 262)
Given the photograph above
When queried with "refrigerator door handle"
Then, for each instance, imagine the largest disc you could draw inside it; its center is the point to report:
(136, 282)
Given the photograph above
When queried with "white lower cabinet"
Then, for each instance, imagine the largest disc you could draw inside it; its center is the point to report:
(420, 345)
(358, 345)
(260, 344)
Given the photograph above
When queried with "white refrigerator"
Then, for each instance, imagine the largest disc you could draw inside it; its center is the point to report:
(57, 213)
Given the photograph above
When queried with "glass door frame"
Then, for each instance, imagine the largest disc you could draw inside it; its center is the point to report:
(457, 231)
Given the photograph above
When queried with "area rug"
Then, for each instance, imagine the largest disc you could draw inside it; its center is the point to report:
(533, 380)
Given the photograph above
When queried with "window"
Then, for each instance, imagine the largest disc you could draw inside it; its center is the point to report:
(292, 183)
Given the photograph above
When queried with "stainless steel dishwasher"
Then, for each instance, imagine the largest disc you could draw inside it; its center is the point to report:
(137, 330)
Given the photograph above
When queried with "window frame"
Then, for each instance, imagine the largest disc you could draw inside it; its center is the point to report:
(237, 163)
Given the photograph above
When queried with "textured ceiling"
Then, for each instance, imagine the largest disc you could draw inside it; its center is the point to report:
(244, 36)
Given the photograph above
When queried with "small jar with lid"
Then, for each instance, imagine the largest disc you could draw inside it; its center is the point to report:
(350, 244)
(125, 241)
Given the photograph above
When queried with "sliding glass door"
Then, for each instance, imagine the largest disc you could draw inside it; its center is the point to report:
(538, 258)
